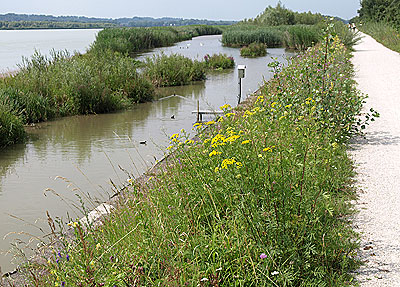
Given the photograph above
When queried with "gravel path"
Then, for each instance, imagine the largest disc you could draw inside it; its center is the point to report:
(378, 165)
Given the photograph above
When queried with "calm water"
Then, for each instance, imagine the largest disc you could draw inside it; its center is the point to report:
(87, 150)
(17, 44)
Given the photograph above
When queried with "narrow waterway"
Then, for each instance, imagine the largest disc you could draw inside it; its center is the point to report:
(77, 156)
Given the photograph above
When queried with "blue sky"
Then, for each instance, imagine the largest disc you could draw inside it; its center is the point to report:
(202, 9)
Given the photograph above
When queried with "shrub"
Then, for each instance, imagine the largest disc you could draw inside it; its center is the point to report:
(254, 50)
(219, 61)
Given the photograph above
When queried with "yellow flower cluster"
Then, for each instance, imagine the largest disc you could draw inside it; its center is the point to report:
(214, 153)
(230, 161)
(225, 107)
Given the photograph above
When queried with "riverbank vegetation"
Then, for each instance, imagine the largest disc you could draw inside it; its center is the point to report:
(260, 199)
(381, 20)
(281, 27)
(254, 50)
(105, 79)
(134, 40)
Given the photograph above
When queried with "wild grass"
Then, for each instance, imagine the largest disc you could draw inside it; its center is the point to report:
(384, 33)
(259, 200)
(254, 50)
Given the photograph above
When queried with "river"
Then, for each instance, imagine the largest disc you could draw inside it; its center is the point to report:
(79, 155)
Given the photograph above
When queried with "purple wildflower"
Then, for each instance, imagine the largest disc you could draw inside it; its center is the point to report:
(67, 257)
(263, 256)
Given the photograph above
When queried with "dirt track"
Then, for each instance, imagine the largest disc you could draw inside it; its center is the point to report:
(378, 165)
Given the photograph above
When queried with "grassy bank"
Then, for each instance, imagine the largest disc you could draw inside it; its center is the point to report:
(384, 33)
(259, 200)
(254, 50)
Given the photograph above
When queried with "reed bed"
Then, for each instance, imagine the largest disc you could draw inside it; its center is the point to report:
(260, 199)
(134, 40)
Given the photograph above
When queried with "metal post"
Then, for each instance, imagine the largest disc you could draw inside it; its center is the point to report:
(198, 111)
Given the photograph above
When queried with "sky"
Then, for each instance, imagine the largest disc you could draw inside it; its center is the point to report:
(199, 9)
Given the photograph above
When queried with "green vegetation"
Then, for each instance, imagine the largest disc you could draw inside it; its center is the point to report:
(254, 50)
(219, 62)
(279, 15)
(103, 80)
(281, 27)
(61, 85)
(173, 70)
(134, 40)
(259, 200)
(244, 35)
(381, 20)
(385, 11)
(383, 33)
(11, 128)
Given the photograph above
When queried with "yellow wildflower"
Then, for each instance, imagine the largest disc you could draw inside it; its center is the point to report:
(168, 148)
(246, 142)
(216, 169)
(209, 123)
(98, 245)
(288, 106)
(214, 153)
(229, 115)
(174, 136)
(225, 107)
(273, 104)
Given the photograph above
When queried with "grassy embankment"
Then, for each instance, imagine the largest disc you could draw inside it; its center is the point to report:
(384, 33)
(103, 80)
(259, 200)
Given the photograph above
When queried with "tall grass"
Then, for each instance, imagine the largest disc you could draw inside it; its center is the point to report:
(244, 35)
(134, 40)
(301, 37)
(384, 33)
(173, 70)
(258, 200)
(11, 128)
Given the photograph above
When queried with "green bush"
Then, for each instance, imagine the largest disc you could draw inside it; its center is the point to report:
(173, 70)
(254, 50)
(219, 62)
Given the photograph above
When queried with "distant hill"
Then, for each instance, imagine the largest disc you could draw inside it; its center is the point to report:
(24, 21)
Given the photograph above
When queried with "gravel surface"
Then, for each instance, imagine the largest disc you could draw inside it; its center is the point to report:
(377, 159)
